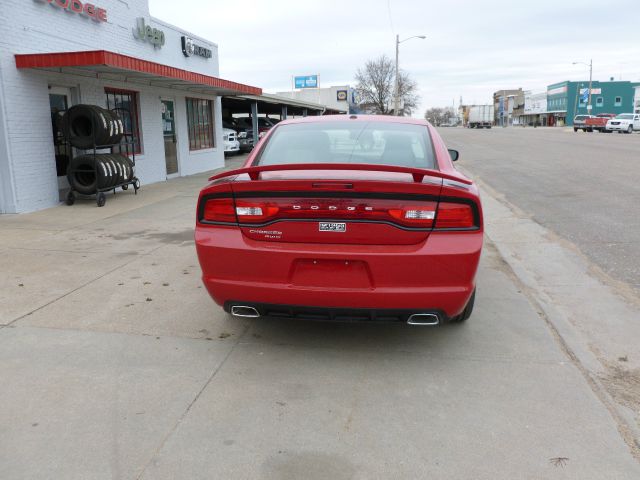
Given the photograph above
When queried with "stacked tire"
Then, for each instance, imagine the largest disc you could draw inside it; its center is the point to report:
(90, 173)
(86, 126)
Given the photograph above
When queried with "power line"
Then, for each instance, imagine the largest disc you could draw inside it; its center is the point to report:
(393, 31)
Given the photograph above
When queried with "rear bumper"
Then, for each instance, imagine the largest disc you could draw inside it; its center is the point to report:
(335, 314)
(435, 275)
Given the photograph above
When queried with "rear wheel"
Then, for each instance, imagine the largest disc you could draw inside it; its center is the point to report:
(466, 313)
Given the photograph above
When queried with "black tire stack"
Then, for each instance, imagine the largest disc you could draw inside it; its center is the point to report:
(86, 126)
(89, 127)
(90, 173)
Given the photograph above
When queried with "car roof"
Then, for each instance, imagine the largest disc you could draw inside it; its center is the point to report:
(356, 118)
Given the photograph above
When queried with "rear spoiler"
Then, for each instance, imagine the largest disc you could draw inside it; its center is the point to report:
(417, 173)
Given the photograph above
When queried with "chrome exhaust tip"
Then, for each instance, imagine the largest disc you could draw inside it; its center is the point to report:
(426, 319)
(244, 311)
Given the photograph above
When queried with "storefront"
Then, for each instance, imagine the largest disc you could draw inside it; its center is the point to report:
(58, 53)
(535, 109)
(557, 95)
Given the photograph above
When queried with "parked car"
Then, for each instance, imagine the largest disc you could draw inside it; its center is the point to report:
(317, 226)
(245, 130)
(625, 122)
(231, 143)
(599, 122)
(580, 123)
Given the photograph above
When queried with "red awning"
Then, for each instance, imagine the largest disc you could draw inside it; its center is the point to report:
(109, 65)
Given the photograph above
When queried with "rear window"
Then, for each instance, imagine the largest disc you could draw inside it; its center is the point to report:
(349, 142)
(581, 117)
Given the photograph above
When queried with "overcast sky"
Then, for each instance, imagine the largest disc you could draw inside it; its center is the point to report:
(472, 48)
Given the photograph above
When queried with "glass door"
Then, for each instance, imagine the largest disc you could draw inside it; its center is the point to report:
(169, 134)
(59, 102)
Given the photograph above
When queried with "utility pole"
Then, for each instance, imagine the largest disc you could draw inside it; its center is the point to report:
(396, 96)
(396, 92)
(589, 108)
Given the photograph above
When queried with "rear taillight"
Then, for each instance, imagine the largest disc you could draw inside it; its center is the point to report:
(219, 210)
(253, 212)
(455, 215)
(425, 214)
(416, 216)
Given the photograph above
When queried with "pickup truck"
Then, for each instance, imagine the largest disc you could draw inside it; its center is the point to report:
(580, 123)
(599, 122)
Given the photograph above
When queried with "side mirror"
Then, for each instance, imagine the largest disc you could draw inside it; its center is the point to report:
(454, 154)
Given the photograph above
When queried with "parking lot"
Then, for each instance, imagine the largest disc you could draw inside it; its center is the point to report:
(115, 363)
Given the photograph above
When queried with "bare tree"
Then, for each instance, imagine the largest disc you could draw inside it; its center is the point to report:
(376, 84)
(409, 99)
(439, 115)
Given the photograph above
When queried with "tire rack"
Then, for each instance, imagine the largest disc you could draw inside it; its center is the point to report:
(129, 151)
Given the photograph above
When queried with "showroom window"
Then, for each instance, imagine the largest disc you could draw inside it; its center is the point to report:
(618, 102)
(125, 103)
(200, 123)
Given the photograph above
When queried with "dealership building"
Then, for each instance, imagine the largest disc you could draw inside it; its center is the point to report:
(58, 53)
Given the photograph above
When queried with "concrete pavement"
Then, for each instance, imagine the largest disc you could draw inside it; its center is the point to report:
(562, 214)
(115, 363)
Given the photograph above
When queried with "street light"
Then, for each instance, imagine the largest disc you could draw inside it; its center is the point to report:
(590, 65)
(396, 95)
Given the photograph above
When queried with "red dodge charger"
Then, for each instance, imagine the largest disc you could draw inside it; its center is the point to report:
(344, 218)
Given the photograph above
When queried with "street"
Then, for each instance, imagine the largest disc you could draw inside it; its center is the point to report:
(584, 186)
(116, 364)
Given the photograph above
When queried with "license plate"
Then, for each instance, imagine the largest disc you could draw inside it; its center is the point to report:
(332, 227)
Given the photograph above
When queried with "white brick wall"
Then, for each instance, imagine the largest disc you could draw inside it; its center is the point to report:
(27, 163)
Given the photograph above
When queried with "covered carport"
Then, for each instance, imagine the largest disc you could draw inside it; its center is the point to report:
(273, 106)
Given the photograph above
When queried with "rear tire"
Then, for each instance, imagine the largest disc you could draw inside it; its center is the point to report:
(466, 313)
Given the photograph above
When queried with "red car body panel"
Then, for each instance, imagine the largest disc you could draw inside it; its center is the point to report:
(380, 264)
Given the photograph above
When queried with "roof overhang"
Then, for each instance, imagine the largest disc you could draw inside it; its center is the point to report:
(281, 100)
(114, 66)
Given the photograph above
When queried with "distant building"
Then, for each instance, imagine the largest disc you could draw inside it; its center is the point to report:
(463, 114)
(567, 99)
(505, 103)
(336, 99)
(535, 109)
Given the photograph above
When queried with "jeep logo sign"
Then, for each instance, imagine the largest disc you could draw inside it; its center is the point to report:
(147, 33)
(76, 6)
(189, 48)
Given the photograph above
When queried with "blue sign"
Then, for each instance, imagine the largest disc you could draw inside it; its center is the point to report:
(584, 95)
(308, 81)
